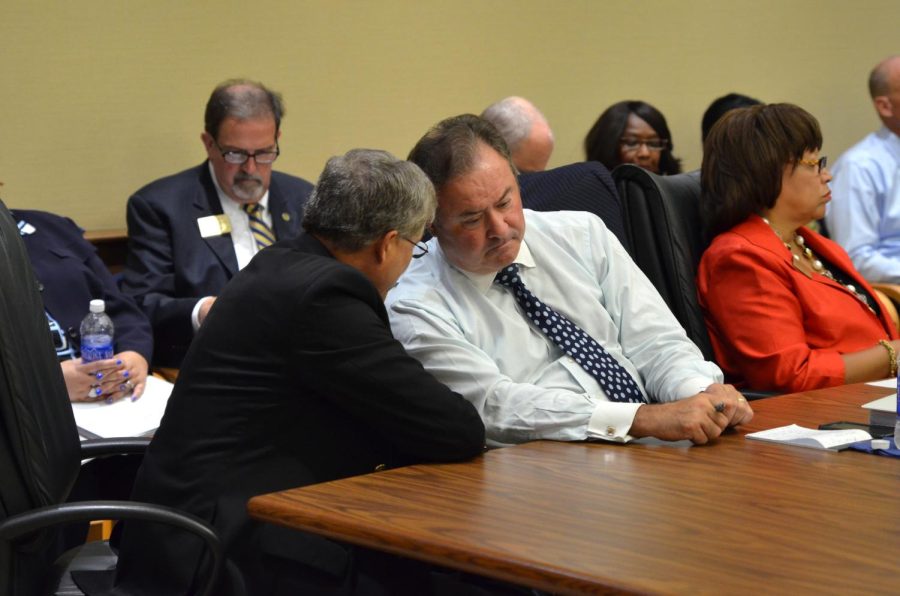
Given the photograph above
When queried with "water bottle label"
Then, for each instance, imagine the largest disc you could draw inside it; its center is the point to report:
(96, 347)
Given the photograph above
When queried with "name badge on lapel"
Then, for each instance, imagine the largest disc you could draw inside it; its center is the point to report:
(26, 228)
(214, 225)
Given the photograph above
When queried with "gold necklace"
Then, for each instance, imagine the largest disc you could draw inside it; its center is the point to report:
(816, 263)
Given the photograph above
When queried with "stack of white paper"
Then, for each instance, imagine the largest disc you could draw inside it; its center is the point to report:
(124, 418)
(882, 412)
(809, 437)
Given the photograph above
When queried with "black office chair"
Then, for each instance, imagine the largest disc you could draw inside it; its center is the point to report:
(40, 454)
(584, 186)
(662, 221)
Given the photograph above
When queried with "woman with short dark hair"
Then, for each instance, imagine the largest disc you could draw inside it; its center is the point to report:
(632, 132)
(785, 309)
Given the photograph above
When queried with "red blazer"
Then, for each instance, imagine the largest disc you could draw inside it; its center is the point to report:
(772, 327)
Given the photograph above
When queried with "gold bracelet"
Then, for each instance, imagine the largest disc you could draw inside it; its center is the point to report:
(892, 356)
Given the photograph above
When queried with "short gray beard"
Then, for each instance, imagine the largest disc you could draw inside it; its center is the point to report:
(248, 196)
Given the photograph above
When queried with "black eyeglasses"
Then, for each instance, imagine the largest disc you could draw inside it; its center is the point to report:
(633, 144)
(819, 164)
(238, 157)
(420, 250)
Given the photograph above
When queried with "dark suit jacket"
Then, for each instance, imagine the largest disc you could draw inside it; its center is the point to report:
(293, 379)
(584, 186)
(71, 275)
(170, 266)
(772, 327)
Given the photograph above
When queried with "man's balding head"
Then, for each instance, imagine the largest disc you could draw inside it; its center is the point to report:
(525, 130)
(884, 87)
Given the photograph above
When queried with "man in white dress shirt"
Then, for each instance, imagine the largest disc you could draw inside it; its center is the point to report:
(190, 233)
(864, 213)
(471, 334)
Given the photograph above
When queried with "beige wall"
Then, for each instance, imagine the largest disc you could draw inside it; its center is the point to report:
(99, 98)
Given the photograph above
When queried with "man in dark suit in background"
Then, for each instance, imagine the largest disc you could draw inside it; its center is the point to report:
(188, 234)
(295, 379)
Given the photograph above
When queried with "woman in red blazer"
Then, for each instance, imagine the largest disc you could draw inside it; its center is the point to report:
(785, 309)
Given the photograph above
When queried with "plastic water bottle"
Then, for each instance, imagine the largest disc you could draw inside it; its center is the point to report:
(897, 412)
(96, 334)
(897, 432)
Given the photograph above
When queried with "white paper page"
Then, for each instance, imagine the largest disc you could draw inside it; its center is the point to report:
(826, 438)
(125, 418)
(890, 383)
(887, 403)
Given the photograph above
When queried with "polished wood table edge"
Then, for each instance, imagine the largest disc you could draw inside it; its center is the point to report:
(351, 524)
(841, 396)
(269, 508)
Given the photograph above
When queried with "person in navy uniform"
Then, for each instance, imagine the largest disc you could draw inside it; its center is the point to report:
(71, 274)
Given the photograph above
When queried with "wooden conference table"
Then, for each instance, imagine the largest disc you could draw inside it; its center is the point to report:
(735, 516)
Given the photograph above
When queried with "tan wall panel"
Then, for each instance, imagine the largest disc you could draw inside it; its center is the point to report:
(101, 97)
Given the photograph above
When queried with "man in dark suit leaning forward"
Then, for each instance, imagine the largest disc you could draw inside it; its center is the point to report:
(295, 379)
(191, 232)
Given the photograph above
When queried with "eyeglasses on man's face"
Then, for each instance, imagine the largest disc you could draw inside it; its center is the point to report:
(420, 249)
(819, 164)
(239, 157)
(633, 144)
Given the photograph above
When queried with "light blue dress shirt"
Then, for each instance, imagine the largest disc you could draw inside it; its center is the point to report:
(470, 334)
(864, 213)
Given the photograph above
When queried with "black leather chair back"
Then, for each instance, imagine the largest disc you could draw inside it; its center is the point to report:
(39, 445)
(584, 186)
(662, 222)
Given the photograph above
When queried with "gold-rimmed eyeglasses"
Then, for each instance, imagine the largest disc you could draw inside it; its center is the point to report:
(819, 164)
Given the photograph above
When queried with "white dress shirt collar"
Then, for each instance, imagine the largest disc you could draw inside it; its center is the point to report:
(483, 281)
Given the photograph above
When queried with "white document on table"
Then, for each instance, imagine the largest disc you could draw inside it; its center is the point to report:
(810, 437)
(882, 411)
(124, 418)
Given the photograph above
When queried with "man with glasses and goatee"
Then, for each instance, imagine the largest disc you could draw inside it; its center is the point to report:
(189, 233)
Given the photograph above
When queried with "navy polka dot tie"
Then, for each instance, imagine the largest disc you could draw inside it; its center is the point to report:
(573, 340)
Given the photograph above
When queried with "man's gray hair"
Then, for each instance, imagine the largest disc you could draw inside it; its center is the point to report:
(513, 117)
(365, 194)
(241, 99)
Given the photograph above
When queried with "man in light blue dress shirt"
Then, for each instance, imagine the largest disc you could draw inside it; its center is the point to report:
(470, 333)
(864, 213)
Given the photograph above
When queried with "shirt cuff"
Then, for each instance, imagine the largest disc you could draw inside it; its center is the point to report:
(692, 386)
(195, 314)
(611, 421)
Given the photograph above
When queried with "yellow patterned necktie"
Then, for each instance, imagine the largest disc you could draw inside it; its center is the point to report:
(262, 233)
